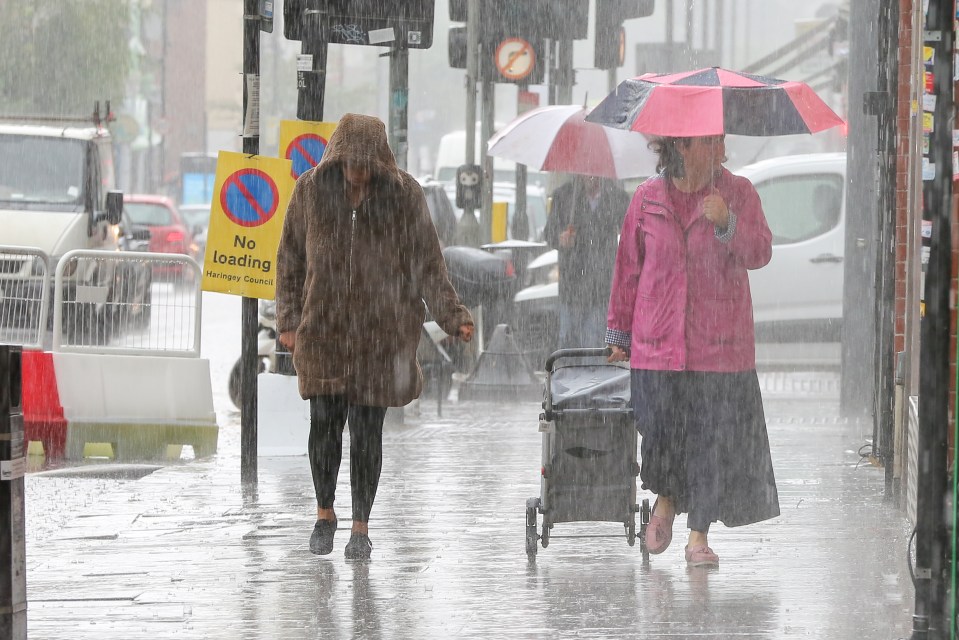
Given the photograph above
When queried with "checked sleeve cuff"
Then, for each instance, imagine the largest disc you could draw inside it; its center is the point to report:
(619, 338)
(727, 235)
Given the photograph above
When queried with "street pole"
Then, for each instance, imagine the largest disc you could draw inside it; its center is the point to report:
(468, 228)
(932, 527)
(249, 308)
(311, 91)
(13, 578)
(564, 67)
(488, 108)
(311, 65)
(858, 351)
(399, 103)
(520, 226)
(884, 107)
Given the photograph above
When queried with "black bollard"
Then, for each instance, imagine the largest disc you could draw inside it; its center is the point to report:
(13, 577)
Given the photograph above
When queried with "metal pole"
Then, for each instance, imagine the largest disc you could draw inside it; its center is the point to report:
(888, 46)
(311, 65)
(486, 131)
(857, 385)
(932, 545)
(720, 30)
(564, 66)
(311, 91)
(670, 24)
(399, 104)
(520, 227)
(13, 583)
(249, 310)
(468, 228)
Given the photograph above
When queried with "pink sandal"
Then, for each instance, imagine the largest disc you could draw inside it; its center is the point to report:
(659, 532)
(701, 556)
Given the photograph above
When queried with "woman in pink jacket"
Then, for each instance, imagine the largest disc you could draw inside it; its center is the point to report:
(681, 312)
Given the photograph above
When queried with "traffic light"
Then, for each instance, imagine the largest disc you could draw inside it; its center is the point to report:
(407, 24)
(512, 33)
(457, 47)
(469, 186)
(528, 19)
(610, 40)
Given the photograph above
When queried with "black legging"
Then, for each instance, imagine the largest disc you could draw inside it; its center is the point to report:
(328, 414)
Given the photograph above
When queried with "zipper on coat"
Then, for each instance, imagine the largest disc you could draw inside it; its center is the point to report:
(349, 337)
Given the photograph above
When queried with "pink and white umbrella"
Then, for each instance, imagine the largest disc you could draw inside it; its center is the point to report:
(558, 138)
(713, 101)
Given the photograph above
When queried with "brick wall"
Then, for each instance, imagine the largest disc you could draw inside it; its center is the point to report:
(902, 200)
(902, 166)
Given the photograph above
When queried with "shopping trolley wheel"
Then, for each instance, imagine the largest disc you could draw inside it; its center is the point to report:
(532, 505)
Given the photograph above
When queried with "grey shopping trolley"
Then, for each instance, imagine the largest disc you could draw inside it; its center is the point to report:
(589, 464)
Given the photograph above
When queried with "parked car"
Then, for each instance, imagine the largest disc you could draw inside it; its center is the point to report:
(441, 210)
(797, 297)
(134, 288)
(169, 232)
(197, 219)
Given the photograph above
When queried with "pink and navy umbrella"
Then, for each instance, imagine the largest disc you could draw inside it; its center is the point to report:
(558, 138)
(714, 101)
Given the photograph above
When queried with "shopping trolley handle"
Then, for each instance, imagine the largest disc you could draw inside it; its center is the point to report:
(579, 352)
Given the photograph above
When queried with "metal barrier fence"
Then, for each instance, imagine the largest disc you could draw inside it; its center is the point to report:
(127, 303)
(24, 296)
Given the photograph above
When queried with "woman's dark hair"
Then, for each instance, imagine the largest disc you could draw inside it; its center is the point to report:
(670, 160)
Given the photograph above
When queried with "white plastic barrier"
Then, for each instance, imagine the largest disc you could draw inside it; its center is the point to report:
(140, 404)
(119, 388)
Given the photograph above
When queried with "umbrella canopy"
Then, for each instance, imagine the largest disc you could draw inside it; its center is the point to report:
(558, 138)
(714, 101)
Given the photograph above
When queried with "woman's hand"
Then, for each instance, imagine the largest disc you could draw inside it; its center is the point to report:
(618, 354)
(715, 209)
(465, 332)
(568, 237)
(288, 340)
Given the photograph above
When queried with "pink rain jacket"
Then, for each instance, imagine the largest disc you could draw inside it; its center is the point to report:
(680, 297)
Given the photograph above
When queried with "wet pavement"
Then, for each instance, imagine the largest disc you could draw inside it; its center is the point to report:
(185, 552)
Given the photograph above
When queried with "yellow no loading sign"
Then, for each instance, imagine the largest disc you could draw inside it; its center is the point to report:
(515, 58)
(251, 194)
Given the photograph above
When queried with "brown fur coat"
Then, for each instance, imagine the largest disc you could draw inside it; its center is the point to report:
(352, 283)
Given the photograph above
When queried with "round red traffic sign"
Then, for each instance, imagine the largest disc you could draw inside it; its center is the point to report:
(515, 58)
(249, 197)
(305, 151)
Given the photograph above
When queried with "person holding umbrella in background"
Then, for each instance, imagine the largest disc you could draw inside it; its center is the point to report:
(680, 310)
(587, 211)
(583, 225)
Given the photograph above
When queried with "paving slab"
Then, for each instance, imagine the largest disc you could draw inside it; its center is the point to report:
(186, 552)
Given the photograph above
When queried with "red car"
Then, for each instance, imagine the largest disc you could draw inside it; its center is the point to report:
(168, 231)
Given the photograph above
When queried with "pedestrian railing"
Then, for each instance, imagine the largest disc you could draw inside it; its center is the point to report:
(128, 303)
(24, 296)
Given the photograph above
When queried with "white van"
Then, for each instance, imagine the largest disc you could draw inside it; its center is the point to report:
(56, 194)
(452, 154)
(797, 297)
